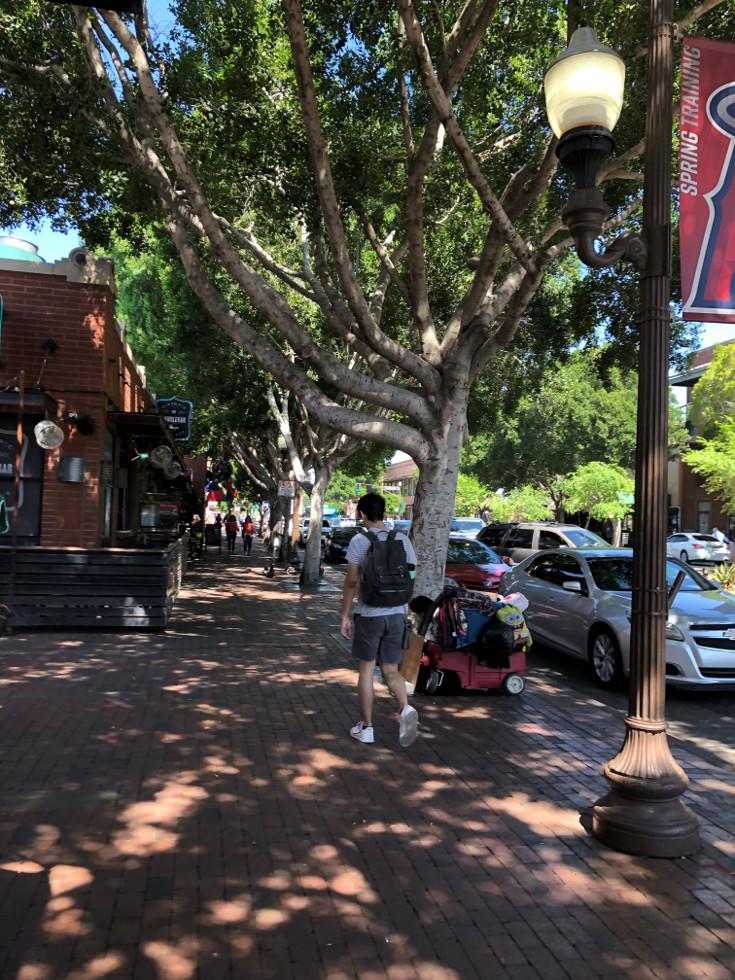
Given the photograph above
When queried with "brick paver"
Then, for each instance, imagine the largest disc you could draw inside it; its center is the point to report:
(188, 805)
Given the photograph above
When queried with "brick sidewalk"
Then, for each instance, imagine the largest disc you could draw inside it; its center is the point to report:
(189, 804)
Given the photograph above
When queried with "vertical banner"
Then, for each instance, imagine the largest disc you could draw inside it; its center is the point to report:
(707, 180)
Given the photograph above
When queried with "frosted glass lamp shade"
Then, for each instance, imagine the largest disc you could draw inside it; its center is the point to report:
(584, 86)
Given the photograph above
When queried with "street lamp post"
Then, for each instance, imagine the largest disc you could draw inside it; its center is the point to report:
(642, 813)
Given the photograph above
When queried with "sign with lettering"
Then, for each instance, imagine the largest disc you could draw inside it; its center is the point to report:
(286, 488)
(177, 414)
(707, 180)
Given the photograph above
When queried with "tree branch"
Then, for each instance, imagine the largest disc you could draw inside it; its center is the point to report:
(331, 212)
(446, 116)
(265, 299)
(382, 254)
(246, 238)
(318, 404)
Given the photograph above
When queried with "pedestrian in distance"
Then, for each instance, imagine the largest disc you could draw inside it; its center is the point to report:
(196, 537)
(216, 531)
(248, 530)
(380, 571)
(720, 535)
(231, 532)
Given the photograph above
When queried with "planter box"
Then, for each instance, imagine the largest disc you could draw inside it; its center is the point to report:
(104, 588)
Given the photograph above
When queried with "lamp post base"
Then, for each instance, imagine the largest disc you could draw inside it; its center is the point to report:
(642, 813)
(651, 828)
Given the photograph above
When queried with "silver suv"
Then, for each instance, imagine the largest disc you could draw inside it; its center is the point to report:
(518, 541)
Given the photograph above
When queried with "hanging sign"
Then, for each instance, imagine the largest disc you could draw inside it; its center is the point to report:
(707, 180)
(286, 488)
(177, 414)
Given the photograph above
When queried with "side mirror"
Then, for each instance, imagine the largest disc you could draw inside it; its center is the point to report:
(574, 586)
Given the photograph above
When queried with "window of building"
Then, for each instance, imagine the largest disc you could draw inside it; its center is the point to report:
(703, 516)
(28, 522)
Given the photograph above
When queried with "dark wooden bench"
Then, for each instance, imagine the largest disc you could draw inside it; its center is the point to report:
(103, 588)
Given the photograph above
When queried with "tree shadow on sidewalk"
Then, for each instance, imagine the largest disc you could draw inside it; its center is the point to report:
(190, 805)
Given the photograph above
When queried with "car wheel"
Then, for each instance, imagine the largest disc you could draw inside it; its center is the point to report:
(605, 660)
(422, 679)
(684, 555)
(434, 681)
(513, 684)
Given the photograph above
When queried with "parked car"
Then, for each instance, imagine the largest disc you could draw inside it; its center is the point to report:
(326, 530)
(467, 527)
(518, 541)
(700, 548)
(579, 602)
(336, 545)
(473, 565)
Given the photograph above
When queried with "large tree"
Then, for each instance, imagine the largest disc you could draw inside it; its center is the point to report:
(573, 415)
(712, 403)
(714, 461)
(379, 174)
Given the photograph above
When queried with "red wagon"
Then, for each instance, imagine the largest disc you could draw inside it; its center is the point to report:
(473, 639)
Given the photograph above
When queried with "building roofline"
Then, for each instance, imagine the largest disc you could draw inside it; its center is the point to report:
(80, 266)
(687, 379)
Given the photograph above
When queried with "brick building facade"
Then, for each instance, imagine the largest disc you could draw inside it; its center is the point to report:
(61, 344)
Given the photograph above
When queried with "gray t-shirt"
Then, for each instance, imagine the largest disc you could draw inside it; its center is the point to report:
(356, 552)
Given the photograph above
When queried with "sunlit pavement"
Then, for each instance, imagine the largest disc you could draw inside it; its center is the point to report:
(189, 804)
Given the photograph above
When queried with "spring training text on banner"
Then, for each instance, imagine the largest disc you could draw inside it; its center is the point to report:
(689, 120)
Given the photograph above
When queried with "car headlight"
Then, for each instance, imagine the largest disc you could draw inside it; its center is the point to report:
(673, 632)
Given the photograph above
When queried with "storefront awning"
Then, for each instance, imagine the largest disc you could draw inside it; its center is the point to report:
(148, 425)
(34, 402)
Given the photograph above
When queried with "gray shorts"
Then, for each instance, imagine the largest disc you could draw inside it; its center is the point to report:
(379, 638)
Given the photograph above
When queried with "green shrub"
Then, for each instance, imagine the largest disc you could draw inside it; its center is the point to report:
(724, 575)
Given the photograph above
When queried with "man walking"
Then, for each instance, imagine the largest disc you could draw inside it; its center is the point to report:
(376, 631)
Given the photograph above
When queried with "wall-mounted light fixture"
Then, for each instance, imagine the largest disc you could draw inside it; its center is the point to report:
(49, 348)
(84, 424)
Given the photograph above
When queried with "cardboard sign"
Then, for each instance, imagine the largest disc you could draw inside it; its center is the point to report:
(412, 658)
(707, 180)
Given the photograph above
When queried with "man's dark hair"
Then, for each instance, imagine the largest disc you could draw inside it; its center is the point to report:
(372, 505)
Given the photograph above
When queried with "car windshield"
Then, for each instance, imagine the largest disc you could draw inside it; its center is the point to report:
(471, 552)
(466, 524)
(342, 535)
(615, 574)
(584, 539)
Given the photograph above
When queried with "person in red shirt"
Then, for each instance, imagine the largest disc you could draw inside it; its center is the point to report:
(248, 530)
(231, 532)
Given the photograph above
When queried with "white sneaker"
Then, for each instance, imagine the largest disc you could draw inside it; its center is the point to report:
(363, 733)
(408, 723)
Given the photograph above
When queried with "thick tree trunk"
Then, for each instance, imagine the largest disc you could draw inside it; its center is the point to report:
(313, 550)
(617, 532)
(433, 507)
(277, 517)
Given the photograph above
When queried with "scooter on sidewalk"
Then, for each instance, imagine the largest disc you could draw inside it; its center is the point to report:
(293, 565)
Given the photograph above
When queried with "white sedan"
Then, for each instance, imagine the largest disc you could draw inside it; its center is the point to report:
(579, 602)
(700, 548)
(467, 527)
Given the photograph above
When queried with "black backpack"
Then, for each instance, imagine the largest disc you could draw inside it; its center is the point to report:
(385, 576)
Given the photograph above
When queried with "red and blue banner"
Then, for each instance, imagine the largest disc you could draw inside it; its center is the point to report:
(707, 180)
